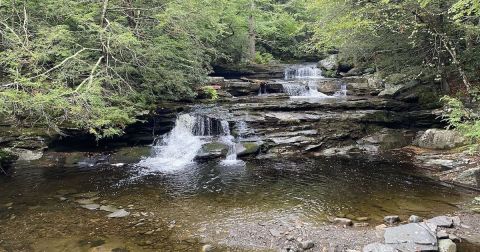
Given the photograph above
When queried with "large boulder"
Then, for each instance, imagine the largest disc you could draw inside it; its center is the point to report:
(439, 139)
(212, 150)
(330, 63)
(469, 177)
(411, 237)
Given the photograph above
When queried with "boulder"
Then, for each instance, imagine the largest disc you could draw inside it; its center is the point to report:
(354, 72)
(411, 237)
(469, 177)
(306, 245)
(447, 245)
(439, 139)
(212, 150)
(329, 63)
(248, 148)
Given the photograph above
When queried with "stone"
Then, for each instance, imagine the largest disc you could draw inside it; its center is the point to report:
(378, 247)
(447, 245)
(212, 150)
(361, 224)
(343, 221)
(87, 201)
(439, 139)
(391, 219)
(411, 237)
(362, 218)
(391, 90)
(28, 155)
(85, 195)
(248, 148)
(329, 63)
(469, 177)
(91, 206)
(415, 219)
(119, 214)
(108, 208)
(454, 238)
(441, 221)
(275, 232)
(207, 248)
(306, 245)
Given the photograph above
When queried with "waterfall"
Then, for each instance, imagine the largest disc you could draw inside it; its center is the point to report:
(302, 81)
(179, 147)
(342, 92)
(306, 71)
(229, 140)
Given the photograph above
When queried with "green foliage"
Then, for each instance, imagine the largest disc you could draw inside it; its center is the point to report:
(464, 119)
(211, 92)
(263, 58)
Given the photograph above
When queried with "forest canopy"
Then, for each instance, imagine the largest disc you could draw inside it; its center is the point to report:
(100, 64)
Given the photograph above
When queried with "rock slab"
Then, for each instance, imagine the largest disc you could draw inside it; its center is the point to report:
(411, 237)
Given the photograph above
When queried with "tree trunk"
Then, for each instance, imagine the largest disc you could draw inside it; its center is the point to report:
(104, 13)
(251, 33)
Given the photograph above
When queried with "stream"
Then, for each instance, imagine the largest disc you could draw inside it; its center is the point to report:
(178, 202)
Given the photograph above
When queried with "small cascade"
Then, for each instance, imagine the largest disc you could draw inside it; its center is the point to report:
(229, 140)
(306, 71)
(302, 81)
(179, 147)
(262, 90)
(342, 92)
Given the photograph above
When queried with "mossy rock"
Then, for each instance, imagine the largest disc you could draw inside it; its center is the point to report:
(248, 148)
(329, 73)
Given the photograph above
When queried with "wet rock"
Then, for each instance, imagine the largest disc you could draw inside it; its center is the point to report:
(415, 219)
(447, 245)
(306, 245)
(212, 151)
(215, 80)
(248, 148)
(343, 221)
(91, 206)
(392, 219)
(207, 248)
(109, 208)
(378, 247)
(362, 218)
(119, 214)
(87, 201)
(439, 139)
(411, 237)
(441, 221)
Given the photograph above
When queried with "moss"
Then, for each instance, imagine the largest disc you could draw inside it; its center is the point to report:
(330, 73)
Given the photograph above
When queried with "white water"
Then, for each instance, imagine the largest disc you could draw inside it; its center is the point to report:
(307, 71)
(229, 140)
(177, 149)
(305, 84)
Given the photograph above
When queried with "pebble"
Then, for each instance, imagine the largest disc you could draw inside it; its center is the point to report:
(150, 232)
(207, 248)
(361, 224)
(119, 214)
(391, 219)
(343, 221)
(307, 245)
(415, 219)
(362, 218)
(91, 206)
(109, 208)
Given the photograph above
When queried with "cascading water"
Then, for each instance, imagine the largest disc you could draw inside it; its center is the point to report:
(179, 148)
(302, 81)
(229, 140)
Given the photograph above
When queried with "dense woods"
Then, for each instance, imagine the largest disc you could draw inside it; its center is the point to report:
(98, 65)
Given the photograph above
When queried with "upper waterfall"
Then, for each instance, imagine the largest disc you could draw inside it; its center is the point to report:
(303, 71)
